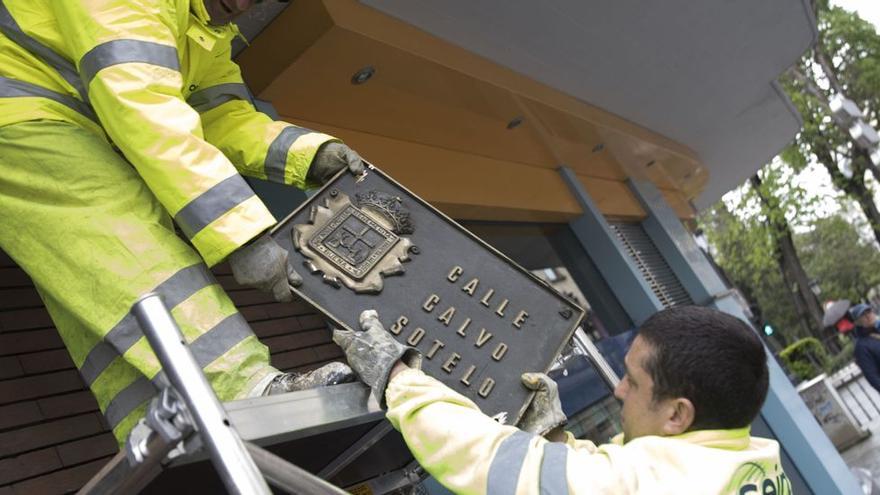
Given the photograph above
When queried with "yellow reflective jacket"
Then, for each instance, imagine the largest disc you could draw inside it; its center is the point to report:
(470, 453)
(159, 81)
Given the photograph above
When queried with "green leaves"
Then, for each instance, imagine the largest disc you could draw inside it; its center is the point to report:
(750, 231)
(749, 228)
(837, 254)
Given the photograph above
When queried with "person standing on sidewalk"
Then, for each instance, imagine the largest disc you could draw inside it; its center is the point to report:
(867, 351)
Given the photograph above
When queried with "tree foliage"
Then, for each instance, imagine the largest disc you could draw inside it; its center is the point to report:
(852, 47)
(745, 233)
(752, 233)
(805, 358)
(845, 60)
(845, 265)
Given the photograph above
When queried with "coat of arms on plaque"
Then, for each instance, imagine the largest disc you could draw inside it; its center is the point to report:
(357, 243)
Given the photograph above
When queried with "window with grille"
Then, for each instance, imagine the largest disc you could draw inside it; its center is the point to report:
(650, 262)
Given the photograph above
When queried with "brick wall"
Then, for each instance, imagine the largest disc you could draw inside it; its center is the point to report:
(52, 436)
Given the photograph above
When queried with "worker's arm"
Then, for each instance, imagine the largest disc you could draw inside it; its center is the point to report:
(257, 145)
(126, 54)
(463, 448)
(468, 452)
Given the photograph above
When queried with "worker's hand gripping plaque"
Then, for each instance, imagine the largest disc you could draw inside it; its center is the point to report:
(479, 319)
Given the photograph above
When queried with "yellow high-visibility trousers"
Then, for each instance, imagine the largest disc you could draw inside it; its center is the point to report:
(83, 224)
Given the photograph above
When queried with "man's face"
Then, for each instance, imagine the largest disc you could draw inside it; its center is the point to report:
(224, 11)
(867, 319)
(641, 415)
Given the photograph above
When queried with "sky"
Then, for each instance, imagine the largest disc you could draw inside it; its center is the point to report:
(867, 9)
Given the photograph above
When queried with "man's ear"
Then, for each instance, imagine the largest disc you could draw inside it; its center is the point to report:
(680, 416)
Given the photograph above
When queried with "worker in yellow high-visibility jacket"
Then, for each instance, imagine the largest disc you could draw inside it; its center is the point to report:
(116, 117)
(695, 380)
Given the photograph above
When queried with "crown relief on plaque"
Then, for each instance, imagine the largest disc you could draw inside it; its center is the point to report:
(357, 243)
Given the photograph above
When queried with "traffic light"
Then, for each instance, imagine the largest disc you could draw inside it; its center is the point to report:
(768, 330)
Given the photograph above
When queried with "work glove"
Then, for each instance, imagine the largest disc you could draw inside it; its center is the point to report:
(330, 159)
(545, 411)
(372, 352)
(262, 264)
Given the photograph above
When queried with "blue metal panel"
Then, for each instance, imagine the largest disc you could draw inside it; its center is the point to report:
(618, 269)
(676, 244)
(760, 428)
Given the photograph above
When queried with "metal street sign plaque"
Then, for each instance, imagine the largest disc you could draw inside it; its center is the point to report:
(479, 319)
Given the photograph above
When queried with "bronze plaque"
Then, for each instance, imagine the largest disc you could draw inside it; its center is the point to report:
(479, 319)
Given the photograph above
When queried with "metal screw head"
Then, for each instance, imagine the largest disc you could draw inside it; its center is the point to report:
(515, 122)
(566, 313)
(363, 75)
(414, 250)
(334, 193)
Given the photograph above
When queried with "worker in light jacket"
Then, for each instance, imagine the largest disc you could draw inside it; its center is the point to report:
(117, 117)
(695, 380)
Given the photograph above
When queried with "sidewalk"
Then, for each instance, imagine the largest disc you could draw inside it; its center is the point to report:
(866, 454)
(862, 401)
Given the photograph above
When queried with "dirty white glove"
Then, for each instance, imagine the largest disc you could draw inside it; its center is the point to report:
(545, 411)
(372, 352)
(330, 159)
(262, 264)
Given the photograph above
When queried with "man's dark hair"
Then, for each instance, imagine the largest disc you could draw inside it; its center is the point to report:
(710, 358)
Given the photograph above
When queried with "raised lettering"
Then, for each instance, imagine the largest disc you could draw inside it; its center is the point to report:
(398, 325)
(431, 303)
(463, 327)
(416, 337)
(471, 286)
(500, 310)
(499, 352)
(447, 315)
(483, 338)
(520, 319)
(454, 273)
(466, 379)
(486, 387)
(485, 300)
(436, 346)
(451, 362)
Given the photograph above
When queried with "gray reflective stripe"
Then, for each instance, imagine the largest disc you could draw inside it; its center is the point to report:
(206, 349)
(128, 400)
(10, 88)
(276, 157)
(212, 204)
(554, 479)
(65, 67)
(126, 51)
(508, 461)
(217, 341)
(175, 289)
(215, 96)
